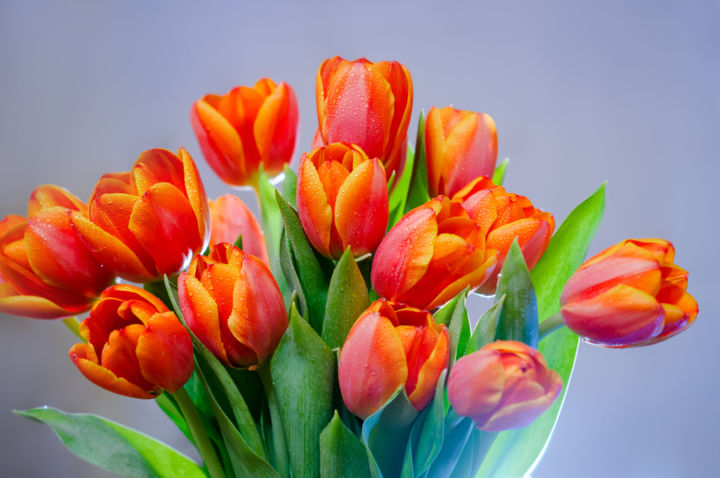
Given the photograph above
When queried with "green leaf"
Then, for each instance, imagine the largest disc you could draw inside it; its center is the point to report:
(303, 372)
(289, 191)
(386, 432)
(113, 447)
(342, 454)
(418, 193)
(399, 194)
(238, 242)
(347, 299)
(472, 455)
(427, 432)
(310, 273)
(515, 452)
(459, 328)
(272, 227)
(167, 404)
(287, 263)
(499, 174)
(457, 434)
(486, 327)
(518, 317)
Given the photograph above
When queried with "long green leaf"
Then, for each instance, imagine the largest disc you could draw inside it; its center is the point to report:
(272, 227)
(399, 193)
(303, 371)
(486, 327)
(418, 193)
(347, 299)
(113, 447)
(342, 454)
(428, 431)
(289, 185)
(287, 263)
(515, 452)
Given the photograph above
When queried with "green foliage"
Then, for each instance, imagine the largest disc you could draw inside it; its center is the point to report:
(342, 454)
(499, 174)
(418, 193)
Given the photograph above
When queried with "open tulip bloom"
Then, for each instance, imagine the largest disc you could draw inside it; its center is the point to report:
(333, 339)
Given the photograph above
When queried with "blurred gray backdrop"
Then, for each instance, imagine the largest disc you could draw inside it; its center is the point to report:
(581, 92)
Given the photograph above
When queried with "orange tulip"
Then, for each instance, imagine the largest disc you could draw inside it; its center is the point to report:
(504, 385)
(231, 301)
(230, 218)
(149, 221)
(342, 200)
(135, 345)
(433, 253)
(460, 146)
(46, 270)
(245, 128)
(629, 294)
(504, 216)
(391, 344)
(368, 104)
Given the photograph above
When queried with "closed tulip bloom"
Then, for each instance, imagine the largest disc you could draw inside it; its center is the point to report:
(150, 221)
(46, 270)
(505, 216)
(502, 386)
(391, 344)
(342, 200)
(232, 303)
(629, 294)
(433, 253)
(135, 345)
(230, 218)
(365, 103)
(246, 128)
(460, 146)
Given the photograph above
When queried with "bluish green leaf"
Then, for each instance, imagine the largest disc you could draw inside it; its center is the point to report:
(499, 174)
(347, 299)
(289, 190)
(289, 268)
(454, 315)
(428, 431)
(418, 193)
(342, 454)
(472, 455)
(486, 328)
(515, 452)
(113, 447)
(309, 271)
(518, 317)
(399, 193)
(386, 433)
(457, 434)
(303, 371)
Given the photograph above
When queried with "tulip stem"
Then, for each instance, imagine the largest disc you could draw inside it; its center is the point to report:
(278, 433)
(202, 440)
(550, 325)
(73, 325)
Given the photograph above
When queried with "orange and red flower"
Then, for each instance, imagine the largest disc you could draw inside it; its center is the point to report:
(230, 218)
(232, 303)
(135, 345)
(46, 270)
(391, 344)
(460, 146)
(365, 103)
(433, 253)
(504, 385)
(246, 128)
(629, 294)
(342, 200)
(149, 221)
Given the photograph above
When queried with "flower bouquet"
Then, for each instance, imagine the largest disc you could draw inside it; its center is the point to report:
(335, 340)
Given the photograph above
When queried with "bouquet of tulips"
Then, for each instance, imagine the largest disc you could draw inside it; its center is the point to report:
(333, 341)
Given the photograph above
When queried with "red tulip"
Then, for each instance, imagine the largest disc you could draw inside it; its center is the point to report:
(46, 270)
(504, 385)
(246, 128)
(232, 303)
(368, 104)
(629, 294)
(391, 344)
(505, 216)
(432, 254)
(230, 218)
(460, 146)
(135, 345)
(149, 221)
(342, 200)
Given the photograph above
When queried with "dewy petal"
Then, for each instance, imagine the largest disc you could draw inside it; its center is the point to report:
(27, 305)
(313, 207)
(195, 192)
(471, 151)
(157, 166)
(275, 128)
(119, 356)
(49, 195)
(430, 370)
(476, 383)
(164, 352)
(232, 218)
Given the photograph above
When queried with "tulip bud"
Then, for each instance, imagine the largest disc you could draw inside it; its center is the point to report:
(504, 385)
(150, 221)
(135, 345)
(503, 217)
(245, 128)
(391, 344)
(368, 104)
(46, 270)
(432, 254)
(230, 218)
(460, 146)
(232, 303)
(629, 294)
(342, 200)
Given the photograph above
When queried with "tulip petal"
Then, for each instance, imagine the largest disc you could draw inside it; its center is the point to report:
(164, 352)
(533, 236)
(231, 218)
(313, 206)
(49, 195)
(476, 383)
(196, 195)
(103, 377)
(157, 166)
(275, 128)
(28, 305)
(425, 365)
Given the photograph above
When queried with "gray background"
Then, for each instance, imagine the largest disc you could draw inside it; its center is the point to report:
(581, 92)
